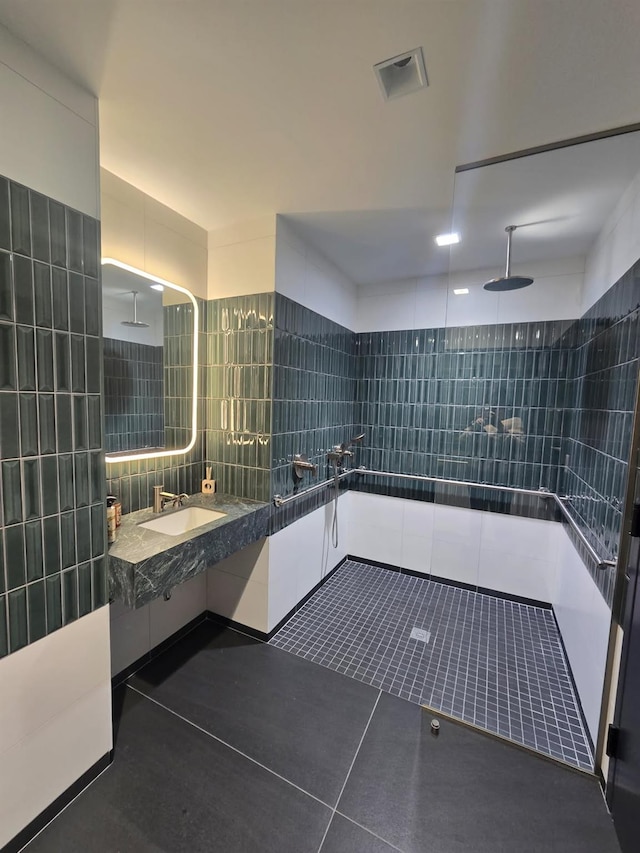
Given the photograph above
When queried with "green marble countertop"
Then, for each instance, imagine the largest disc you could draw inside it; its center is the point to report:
(144, 564)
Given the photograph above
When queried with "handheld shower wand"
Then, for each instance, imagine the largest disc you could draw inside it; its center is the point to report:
(336, 457)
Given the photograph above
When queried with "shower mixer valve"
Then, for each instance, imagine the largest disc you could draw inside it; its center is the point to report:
(339, 452)
(301, 465)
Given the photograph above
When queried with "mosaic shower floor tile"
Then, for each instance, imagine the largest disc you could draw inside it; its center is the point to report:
(494, 663)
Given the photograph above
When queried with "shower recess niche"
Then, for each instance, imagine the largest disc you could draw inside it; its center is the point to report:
(150, 362)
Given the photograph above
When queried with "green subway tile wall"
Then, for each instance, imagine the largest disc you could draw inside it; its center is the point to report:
(314, 390)
(52, 532)
(605, 357)
(482, 403)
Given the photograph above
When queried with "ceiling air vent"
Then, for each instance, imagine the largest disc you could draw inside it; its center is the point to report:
(402, 74)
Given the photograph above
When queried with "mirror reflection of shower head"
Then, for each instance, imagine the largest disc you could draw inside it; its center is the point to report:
(508, 281)
(135, 322)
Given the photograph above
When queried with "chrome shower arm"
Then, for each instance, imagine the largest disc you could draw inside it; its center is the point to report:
(509, 229)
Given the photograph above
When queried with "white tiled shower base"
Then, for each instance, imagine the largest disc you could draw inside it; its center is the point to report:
(491, 662)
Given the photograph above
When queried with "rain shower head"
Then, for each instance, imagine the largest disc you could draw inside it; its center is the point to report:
(508, 281)
(135, 322)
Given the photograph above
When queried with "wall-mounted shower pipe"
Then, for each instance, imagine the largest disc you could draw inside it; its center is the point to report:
(538, 493)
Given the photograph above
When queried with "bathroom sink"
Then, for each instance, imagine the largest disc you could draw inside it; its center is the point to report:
(183, 520)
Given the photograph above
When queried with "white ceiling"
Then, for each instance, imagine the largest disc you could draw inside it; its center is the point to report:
(559, 199)
(228, 111)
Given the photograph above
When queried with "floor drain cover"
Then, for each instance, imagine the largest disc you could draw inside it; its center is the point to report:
(420, 634)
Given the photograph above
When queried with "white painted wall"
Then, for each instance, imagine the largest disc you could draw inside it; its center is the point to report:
(305, 276)
(55, 717)
(140, 231)
(616, 249)
(55, 694)
(420, 303)
(242, 259)
(49, 139)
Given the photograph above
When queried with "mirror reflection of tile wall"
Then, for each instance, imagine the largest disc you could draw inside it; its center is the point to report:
(177, 367)
(134, 395)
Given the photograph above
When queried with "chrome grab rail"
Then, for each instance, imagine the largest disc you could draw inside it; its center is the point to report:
(601, 563)
(278, 500)
(540, 493)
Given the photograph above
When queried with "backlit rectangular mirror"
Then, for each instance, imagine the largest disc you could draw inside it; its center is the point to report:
(150, 364)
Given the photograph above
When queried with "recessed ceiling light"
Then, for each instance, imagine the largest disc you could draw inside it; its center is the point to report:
(448, 239)
(461, 291)
(156, 286)
(402, 74)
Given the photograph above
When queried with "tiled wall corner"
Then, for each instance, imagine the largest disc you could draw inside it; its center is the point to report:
(599, 419)
(314, 397)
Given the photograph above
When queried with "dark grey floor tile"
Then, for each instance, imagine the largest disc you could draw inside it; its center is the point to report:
(465, 792)
(345, 837)
(173, 788)
(301, 720)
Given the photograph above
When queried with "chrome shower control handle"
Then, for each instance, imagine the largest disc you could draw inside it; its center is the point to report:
(301, 464)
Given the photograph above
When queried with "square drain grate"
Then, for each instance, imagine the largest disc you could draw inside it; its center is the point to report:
(420, 634)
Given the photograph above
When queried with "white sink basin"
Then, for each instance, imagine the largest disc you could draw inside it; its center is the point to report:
(176, 523)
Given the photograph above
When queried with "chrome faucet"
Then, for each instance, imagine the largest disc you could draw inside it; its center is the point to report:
(160, 498)
(339, 452)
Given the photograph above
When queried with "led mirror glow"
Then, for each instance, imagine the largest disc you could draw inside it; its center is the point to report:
(158, 284)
